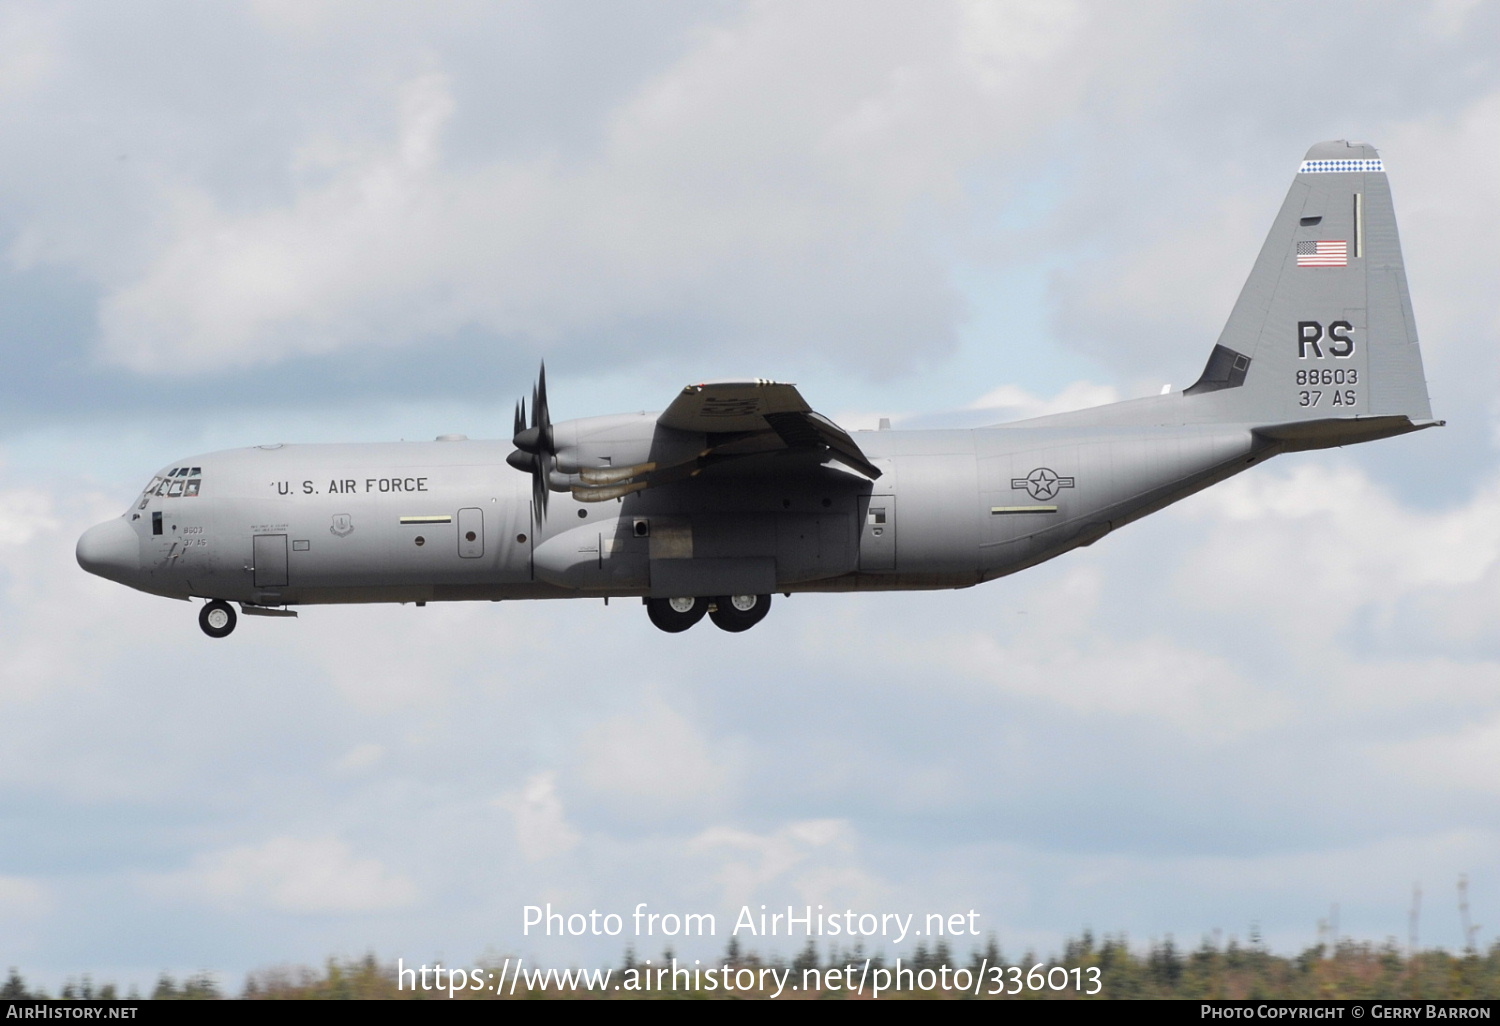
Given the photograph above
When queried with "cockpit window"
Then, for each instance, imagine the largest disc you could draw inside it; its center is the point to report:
(150, 491)
(177, 483)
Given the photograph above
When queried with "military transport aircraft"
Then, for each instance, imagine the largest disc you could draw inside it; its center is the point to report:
(739, 490)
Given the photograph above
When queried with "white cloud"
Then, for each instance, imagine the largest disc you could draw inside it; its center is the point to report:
(27, 52)
(25, 513)
(23, 898)
(360, 758)
(817, 861)
(754, 186)
(1018, 404)
(1062, 658)
(316, 875)
(1449, 211)
(1178, 279)
(542, 828)
(1448, 17)
(1292, 657)
(228, 282)
(654, 758)
(1465, 759)
(1371, 879)
(1312, 546)
(381, 659)
(44, 589)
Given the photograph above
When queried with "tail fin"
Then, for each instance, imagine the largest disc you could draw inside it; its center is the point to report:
(1323, 328)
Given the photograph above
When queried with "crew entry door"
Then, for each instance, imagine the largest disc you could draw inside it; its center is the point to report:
(269, 560)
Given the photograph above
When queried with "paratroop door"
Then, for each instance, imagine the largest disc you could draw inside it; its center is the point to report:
(269, 560)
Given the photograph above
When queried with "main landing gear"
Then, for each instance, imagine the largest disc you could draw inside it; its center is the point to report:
(733, 613)
(217, 619)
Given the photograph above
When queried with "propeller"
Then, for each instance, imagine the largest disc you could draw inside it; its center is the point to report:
(536, 450)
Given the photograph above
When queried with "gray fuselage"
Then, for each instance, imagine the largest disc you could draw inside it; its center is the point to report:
(449, 520)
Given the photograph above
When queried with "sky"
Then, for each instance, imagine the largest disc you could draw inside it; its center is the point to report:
(1275, 703)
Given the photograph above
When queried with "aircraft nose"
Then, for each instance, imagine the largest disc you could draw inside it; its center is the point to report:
(111, 550)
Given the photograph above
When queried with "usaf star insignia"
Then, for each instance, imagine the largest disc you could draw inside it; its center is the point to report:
(1041, 483)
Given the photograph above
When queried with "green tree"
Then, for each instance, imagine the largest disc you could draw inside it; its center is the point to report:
(15, 987)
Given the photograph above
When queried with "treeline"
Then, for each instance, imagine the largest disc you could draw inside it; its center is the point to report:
(1347, 970)
(199, 986)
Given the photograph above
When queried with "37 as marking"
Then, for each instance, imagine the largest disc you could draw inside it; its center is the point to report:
(1315, 396)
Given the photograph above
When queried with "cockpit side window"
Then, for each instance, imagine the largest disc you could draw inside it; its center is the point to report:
(149, 492)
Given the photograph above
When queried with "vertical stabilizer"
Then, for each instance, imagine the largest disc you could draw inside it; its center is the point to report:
(1323, 327)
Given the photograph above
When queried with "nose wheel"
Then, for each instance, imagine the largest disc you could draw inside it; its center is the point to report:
(735, 613)
(217, 619)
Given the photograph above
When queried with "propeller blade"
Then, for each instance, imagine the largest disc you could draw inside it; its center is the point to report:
(539, 494)
(536, 449)
(543, 412)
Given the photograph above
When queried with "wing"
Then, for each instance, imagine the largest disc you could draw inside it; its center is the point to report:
(720, 407)
(738, 418)
(762, 409)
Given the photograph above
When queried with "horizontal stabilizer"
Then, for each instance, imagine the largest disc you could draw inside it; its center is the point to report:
(1299, 435)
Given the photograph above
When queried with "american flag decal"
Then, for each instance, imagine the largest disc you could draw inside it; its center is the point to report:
(1323, 254)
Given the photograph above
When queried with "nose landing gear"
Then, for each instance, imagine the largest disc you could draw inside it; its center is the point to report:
(217, 619)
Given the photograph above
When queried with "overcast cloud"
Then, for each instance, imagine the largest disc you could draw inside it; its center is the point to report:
(230, 224)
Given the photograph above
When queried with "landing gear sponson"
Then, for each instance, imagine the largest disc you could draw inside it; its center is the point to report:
(733, 613)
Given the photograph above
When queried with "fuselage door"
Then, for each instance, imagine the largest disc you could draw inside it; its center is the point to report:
(270, 561)
(471, 533)
(877, 536)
